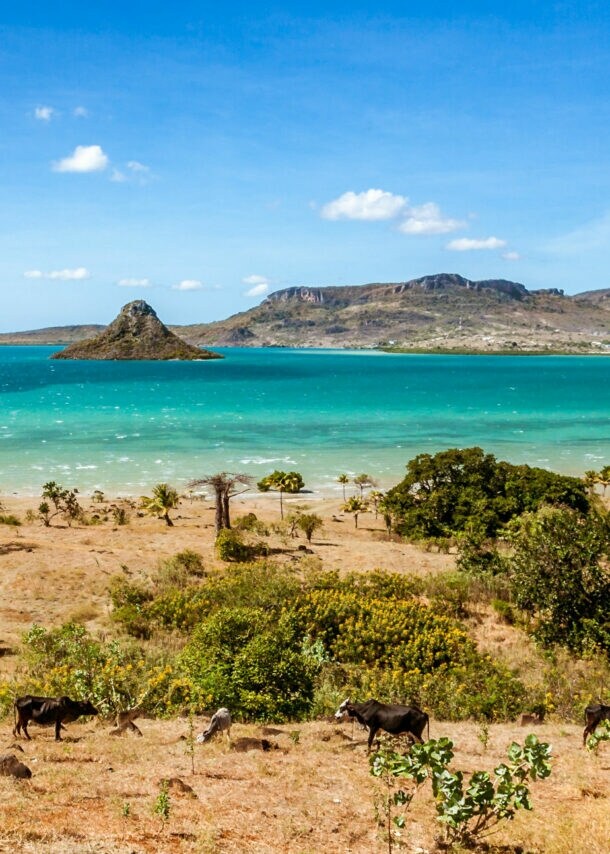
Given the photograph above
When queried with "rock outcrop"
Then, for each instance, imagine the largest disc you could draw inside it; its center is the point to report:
(136, 333)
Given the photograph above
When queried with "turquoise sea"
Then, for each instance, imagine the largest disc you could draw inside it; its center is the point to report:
(124, 426)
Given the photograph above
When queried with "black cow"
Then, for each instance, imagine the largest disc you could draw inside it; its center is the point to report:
(594, 715)
(49, 710)
(392, 718)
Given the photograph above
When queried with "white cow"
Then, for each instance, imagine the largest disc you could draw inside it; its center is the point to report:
(220, 722)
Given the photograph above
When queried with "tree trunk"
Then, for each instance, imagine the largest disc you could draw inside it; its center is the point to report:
(225, 507)
(168, 521)
(219, 517)
(281, 504)
(355, 520)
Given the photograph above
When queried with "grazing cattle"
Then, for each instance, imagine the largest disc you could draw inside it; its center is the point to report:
(220, 722)
(49, 710)
(392, 718)
(594, 715)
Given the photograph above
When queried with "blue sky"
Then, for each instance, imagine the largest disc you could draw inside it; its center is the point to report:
(201, 156)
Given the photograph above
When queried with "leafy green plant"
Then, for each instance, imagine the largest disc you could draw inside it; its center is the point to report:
(9, 519)
(59, 501)
(162, 805)
(602, 733)
(467, 809)
(163, 499)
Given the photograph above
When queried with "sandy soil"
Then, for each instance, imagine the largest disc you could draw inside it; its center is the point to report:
(312, 794)
(48, 575)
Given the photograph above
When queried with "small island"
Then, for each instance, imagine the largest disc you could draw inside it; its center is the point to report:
(136, 333)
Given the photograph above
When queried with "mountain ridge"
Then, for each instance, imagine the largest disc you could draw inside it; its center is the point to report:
(444, 311)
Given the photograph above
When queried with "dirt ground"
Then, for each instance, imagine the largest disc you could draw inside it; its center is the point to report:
(48, 575)
(311, 794)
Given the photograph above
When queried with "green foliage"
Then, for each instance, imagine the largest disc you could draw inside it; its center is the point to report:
(164, 498)
(356, 506)
(454, 490)
(602, 733)
(241, 659)
(281, 481)
(558, 575)
(309, 523)
(252, 524)
(120, 516)
(468, 809)
(69, 661)
(162, 804)
(230, 547)
(9, 519)
(59, 501)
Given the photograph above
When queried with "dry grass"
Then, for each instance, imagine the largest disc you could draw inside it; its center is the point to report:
(93, 793)
(313, 796)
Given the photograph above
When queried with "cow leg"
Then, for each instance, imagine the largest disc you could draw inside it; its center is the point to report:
(417, 738)
(24, 726)
(372, 733)
(58, 730)
(589, 730)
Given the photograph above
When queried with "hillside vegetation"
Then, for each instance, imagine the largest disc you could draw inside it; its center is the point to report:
(444, 312)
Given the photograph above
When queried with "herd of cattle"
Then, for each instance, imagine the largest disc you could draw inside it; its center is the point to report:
(391, 718)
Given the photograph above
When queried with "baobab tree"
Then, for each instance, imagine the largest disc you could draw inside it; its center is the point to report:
(225, 486)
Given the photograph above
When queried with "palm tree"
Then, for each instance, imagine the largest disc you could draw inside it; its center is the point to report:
(282, 481)
(224, 485)
(591, 478)
(164, 498)
(375, 497)
(364, 481)
(604, 478)
(343, 479)
(356, 506)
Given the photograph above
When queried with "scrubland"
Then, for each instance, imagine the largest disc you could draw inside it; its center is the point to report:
(312, 790)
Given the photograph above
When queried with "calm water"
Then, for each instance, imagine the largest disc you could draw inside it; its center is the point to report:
(124, 426)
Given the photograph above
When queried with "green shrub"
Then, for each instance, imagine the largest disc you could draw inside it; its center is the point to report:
(9, 519)
(231, 547)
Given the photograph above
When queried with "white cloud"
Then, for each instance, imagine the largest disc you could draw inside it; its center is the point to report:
(134, 283)
(465, 244)
(80, 112)
(118, 176)
(136, 166)
(258, 290)
(427, 219)
(84, 158)
(260, 285)
(44, 114)
(511, 256)
(370, 205)
(66, 275)
(188, 285)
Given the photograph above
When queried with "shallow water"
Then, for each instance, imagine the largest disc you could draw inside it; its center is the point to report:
(123, 426)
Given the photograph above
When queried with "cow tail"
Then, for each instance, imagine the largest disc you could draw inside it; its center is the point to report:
(428, 727)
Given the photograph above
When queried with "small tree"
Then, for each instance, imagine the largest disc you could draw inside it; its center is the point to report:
(164, 498)
(343, 479)
(309, 523)
(468, 811)
(364, 481)
(356, 506)
(376, 497)
(58, 501)
(282, 481)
